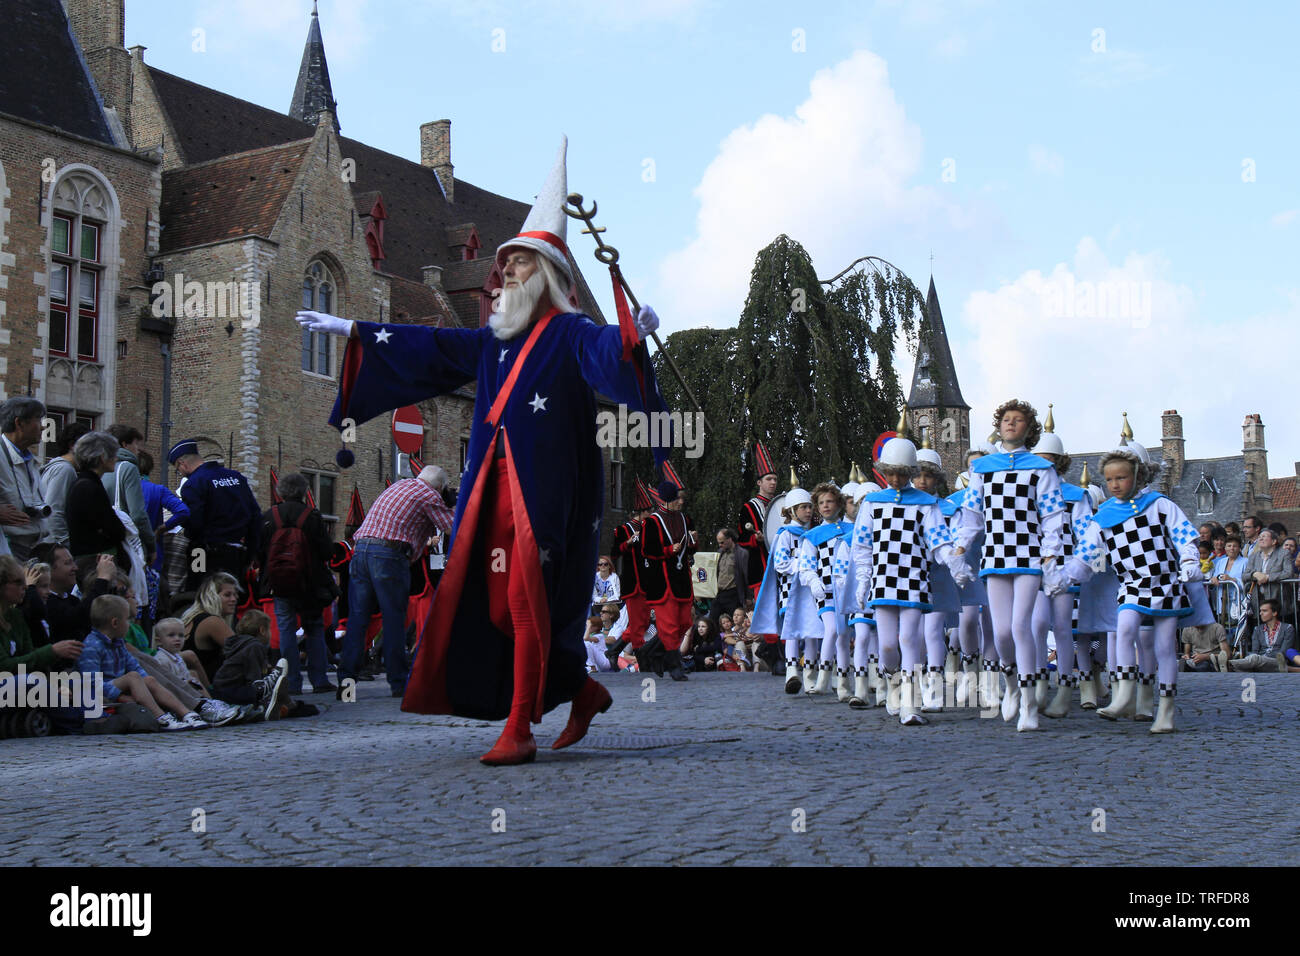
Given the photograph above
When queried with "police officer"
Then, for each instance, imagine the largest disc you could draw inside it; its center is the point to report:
(224, 518)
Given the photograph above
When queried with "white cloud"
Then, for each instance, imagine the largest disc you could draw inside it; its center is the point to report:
(1044, 160)
(1025, 342)
(1285, 218)
(836, 176)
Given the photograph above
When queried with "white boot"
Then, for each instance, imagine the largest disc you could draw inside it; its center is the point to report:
(907, 715)
(1028, 707)
(966, 683)
(932, 696)
(951, 662)
(861, 692)
(1104, 688)
(1165, 711)
(809, 675)
(1042, 688)
(1011, 699)
(1121, 701)
(1088, 691)
(990, 687)
(823, 684)
(1060, 705)
(894, 694)
(1144, 708)
(842, 690)
(792, 681)
(882, 690)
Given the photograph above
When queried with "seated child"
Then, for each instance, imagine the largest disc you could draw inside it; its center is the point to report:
(242, 677)
(182, 666)
(105, 653)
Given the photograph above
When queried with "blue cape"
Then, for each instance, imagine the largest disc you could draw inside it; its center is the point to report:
(1008, 461)
(1114, 511)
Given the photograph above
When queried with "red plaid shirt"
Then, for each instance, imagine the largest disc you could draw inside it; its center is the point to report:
(409, 511)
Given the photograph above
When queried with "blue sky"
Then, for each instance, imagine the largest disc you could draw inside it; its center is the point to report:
(1040, 160)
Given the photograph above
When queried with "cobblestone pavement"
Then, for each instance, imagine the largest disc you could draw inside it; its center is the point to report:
(717, 770)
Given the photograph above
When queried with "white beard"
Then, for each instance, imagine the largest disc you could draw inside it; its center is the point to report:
(512, 311)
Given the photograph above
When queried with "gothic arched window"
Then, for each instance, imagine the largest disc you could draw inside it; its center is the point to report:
(319, 295)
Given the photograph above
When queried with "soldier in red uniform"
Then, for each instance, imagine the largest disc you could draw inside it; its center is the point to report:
(668, 546)
(627, 545)
(753, 515)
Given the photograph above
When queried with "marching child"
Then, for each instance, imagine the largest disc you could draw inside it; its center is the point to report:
(899, 532)
(771, 612)
(865, 641)
(823, 569)
(1152, 546)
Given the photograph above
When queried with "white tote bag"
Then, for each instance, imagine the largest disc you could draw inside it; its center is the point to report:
(132, 544)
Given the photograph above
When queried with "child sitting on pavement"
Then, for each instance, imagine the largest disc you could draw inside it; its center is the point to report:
(242, 677)
(168, 638)
(105, 653)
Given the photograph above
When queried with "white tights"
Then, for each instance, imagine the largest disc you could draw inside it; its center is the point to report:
(1056, 613)
(936, 641)
(864, 646)
(1157, 647)
(835, 642)
(900, 632)
(1011, 604)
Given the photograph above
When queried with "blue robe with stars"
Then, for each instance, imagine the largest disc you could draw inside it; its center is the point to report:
(547, 433)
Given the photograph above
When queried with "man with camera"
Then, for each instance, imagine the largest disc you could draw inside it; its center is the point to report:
(22, 509)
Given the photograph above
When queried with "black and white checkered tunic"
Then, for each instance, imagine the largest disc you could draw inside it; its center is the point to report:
(825, 562)
(900, 568)
(1011, 525)
(1146, 560)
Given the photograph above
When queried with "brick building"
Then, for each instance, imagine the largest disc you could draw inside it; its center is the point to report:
(239, 216)
(935, 408)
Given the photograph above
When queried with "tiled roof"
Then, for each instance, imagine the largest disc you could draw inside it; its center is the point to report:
(934, 380)
(1229, 474)
(236, 196)
(1285, 492)
(210, 124)
(43, 77)
(418, 304)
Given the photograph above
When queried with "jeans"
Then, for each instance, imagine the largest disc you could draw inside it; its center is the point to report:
(378, 574)
(313, 631)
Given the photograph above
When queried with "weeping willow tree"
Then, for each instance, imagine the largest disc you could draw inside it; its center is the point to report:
(809, 371)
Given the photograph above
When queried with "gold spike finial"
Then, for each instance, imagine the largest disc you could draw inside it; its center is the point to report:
(794, 479)
(853, 471)
(901, 427)
(1085, 479)
(925, 439)
(994, 437)
(860, 476)
(1050, 424)
(961, 481)
(1126, 432)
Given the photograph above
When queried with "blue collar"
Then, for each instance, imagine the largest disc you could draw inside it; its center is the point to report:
(1115, 511)
(948, 507)
(1071, 493)
(797, 530)
(824, 532)
(908, 496)
(1008, 461)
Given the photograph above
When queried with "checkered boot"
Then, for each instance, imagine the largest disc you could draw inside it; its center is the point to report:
(1011, 699)
(1028, 704)
(1124, 687)
(823, 684)
(1060, 705)
(882, 688)
(1088, 691)
(1144, 708)
(861, 689)
(990, 686)
(842, 690)
(1042, 687)
(809, 674)
(792, 681)
(908, 692)
(894, 694)
(967, 690)
(932, 695)
(1164, 723)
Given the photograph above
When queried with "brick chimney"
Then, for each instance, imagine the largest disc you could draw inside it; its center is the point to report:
(1172, 445)
(433, 277)
(100, 29)
(435, 153)
(1255, 456)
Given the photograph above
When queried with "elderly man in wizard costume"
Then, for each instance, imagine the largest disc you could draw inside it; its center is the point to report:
(504, 634)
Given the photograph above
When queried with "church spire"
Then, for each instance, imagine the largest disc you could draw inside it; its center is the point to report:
(312, 94)
(934, 380)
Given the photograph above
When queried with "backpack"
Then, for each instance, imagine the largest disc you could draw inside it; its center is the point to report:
(288, 556)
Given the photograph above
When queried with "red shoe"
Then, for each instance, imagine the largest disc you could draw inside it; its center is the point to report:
(593, 699)
(510, 750)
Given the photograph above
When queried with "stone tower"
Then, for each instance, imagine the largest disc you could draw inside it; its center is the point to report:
(1258, 497)
(312, 94)
(934, 404)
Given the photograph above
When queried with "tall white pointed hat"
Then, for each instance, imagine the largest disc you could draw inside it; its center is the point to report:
(546, 228)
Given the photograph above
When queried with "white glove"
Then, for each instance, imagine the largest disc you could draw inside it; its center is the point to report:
(646, 322)
(962, 574)
(1190, 572)
(861, 594)
(321, 322)
(1054, 580)
(816, 590)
